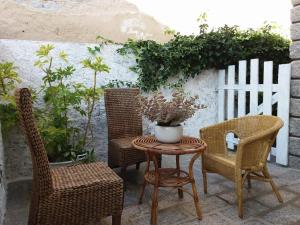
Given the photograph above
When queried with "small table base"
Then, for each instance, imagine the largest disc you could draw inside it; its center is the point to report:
(169, 177)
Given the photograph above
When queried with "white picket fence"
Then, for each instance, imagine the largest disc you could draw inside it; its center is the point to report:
(272, 94)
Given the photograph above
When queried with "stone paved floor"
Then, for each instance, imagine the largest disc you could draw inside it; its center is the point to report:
(219, 205)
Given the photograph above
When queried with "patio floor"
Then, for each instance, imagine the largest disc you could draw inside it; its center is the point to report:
(219, 205)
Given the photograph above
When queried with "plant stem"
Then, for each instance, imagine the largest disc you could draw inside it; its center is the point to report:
(90, 112)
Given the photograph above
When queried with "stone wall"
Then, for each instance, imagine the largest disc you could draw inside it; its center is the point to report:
(294, 139)
(22, 53)
(2, 182)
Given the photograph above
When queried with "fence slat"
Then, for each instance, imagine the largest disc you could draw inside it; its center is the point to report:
(242, 84)
(230, 92)
(230, 103)
(254, 86)
(267, 93)
(221, 99)
(284, 77)
(281, 97)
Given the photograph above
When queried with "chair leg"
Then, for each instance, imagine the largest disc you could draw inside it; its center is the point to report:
(249, 181)
(124, 176)
(137, 166)
(116, 219)
(239, 193)
(159, 162)
(204, 174)
(274, 188)
(123, 173)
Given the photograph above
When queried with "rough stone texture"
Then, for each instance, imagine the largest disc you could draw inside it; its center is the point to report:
(2, 181)
(294, 146)
(294, 161)
(295, 50)
(261, 206)
(295, 88)
(22, 53)
(295, 2)
(294, 126)
(296, 69)
(295, 107)
(295, 14)
(295, 31)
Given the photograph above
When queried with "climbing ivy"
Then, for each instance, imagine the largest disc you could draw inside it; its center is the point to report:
(185, 56)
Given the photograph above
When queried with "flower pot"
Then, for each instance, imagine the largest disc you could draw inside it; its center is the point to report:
(79, 159)
(168, 134)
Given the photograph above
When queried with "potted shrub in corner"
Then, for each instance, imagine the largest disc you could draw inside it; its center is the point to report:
(64, 104)
(169, 114)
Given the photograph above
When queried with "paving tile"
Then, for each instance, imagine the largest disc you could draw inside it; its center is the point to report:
(283, 216)
(208, 205)
(289, 177)
(166, 216)
(253, 221)
(251, 208)
(271, 200)
(219, 205)
(295, 187)
(297, 203)
(230, 196)
(210, 219)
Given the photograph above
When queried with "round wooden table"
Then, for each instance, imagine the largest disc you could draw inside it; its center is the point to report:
(169, 177)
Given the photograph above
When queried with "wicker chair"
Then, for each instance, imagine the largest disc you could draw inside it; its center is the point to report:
(124, 125)
(74, 195)
(256, 135)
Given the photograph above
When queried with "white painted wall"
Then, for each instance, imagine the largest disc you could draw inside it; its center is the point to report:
(22, 53)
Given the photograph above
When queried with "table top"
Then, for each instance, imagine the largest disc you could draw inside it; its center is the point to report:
(187, 145)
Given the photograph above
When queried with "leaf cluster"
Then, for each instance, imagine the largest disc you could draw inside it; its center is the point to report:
(157, 108)
(185, 56)
(9, 78)
(63, 139)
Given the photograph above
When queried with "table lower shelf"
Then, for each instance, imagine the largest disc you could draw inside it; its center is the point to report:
(168, 177)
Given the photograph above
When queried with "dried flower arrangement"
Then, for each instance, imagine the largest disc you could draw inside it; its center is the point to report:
(171, 112)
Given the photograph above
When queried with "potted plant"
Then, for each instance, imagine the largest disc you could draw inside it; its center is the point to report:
(169, 114)
(64, 103)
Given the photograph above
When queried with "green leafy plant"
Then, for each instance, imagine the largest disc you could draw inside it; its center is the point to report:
(62, 98)
(185, 56)
(93, 94)
(9, 78)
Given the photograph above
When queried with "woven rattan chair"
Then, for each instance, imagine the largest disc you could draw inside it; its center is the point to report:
(124, 124)
(256, 135)
(74, 195)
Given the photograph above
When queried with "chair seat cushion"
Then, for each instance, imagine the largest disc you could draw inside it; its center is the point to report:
(121, 152)
(88, 175)
(226, 159)
(123, 143)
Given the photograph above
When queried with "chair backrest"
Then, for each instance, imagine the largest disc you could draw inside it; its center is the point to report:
(122, 112)
(259, 134)
(41, 172)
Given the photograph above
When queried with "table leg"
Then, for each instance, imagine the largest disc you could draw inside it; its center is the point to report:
(145, 182)
(195, 194)
(180, 192)
(155, 192)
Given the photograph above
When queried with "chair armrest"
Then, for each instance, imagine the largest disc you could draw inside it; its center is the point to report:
(253, 151)
(215, 138)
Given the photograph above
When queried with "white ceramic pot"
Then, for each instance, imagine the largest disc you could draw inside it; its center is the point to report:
(168, 134)
(79, 159)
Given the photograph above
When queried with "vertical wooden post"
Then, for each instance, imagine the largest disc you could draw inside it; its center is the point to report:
(284, 77)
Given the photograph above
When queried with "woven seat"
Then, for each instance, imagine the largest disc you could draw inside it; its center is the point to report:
(124, 124)
(256, 136)
(97, 175)
(73, 195)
